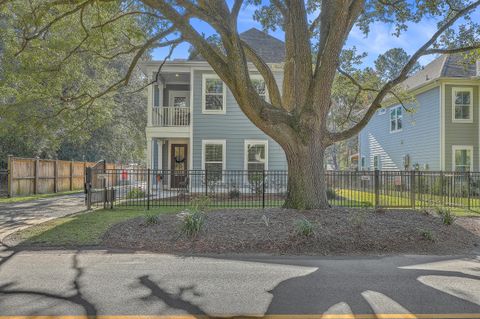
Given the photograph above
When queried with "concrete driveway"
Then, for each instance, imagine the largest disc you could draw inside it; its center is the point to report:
(103, 283)
(16, 216)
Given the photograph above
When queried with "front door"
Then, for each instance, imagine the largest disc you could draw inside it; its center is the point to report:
(179, 166)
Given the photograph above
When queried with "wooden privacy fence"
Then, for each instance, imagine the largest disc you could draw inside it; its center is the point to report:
(30, 176)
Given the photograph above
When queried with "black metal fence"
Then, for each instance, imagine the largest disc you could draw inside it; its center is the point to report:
(237, 188)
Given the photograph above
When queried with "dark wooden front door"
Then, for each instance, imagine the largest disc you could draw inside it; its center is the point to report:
(179, 165)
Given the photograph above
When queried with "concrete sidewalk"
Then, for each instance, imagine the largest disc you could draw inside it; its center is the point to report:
(16, 216)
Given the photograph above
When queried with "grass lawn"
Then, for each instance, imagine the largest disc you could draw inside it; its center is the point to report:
(83, 229)
(19, 199)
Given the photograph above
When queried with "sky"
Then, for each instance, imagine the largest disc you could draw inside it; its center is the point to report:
(379, 40)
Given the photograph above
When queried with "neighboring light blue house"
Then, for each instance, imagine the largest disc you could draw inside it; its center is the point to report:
(443, 132)
(195, 123)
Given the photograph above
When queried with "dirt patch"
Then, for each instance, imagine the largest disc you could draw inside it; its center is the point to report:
(336, 232)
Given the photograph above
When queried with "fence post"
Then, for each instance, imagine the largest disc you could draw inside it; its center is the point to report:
(469, 190)
(263, 189)
(412, 188)
(206, 183)
(148, 189)
(10, 175)
(71, 175)
(88, 186)
(55, 176)
(35, 180)
(376, 182)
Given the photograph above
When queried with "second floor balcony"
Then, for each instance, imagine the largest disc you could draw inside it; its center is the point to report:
(171, 116)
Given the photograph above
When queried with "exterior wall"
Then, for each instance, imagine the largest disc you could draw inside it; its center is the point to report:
(461, 133)
(419, 138)
(233, 126)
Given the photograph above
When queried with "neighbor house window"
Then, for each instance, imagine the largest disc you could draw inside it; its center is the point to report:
(396, 119)
(376, 162)
(256, 155)
(462, 105)
(363, 163)
(259, 85)
(214, 95)
(213, 158)
(462, 158)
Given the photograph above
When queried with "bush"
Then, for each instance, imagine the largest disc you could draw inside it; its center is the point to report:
(447, 216)
(331, 194)
(200, 203)
(150, 219)
(303, 227)
(192, 222)
(427, 234)
(136, 193)
(234, 193)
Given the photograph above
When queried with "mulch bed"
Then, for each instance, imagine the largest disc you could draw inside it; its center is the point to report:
(338, 231)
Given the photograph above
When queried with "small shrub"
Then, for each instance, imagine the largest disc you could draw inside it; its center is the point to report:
(200, 203)
(447, 216)
(303, 227)
(427, 234)
(331, 194)
(234, 193)
(192, 222)
(136, 193)
(150, 219)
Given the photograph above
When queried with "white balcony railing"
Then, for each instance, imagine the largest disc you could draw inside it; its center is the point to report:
(166, 116)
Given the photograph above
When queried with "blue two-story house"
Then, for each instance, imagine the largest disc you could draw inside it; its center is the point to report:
(194, 122)
(439, 131)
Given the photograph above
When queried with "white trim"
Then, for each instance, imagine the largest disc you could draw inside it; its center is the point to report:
(396, 119)
(245, 152)
(462, 147)
(224, 152)
(172, 94)
(442, 127)
(462, 89)
(159, 153)
(190, 147)
(206, 76)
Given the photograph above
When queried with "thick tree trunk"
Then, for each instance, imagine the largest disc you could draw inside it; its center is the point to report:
(306, 177)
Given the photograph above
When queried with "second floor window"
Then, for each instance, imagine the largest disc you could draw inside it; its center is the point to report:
(213, 95)
(259, 85)
(462, 105)
(396, 119)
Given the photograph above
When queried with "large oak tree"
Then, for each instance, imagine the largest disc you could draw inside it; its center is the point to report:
(316, 31)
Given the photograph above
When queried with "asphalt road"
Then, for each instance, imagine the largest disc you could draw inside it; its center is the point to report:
(102, 283)
(16, 216)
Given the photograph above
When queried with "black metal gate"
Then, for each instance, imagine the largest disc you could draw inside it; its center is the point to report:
(3, 179)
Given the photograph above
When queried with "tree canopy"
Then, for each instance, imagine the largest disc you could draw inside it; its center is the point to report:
(297, 115)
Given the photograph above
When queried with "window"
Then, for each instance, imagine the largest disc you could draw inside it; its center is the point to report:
(256, 155)
(214, 97)
(376, 162)
(462, 158)
(213, 158)
(363, 163)
(462, 105)
(396, 119)
(259, 85)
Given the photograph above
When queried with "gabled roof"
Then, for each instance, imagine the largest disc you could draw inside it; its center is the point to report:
(270, 49)
(451, 66)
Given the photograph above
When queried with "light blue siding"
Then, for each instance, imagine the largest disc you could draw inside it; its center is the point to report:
(234, 127)
(419, 138)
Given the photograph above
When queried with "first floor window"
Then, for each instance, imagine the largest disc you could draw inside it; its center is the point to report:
(462, 158)
(376, 162)
(462, 103)
(214, 159)
(396, 119)
(256, 155)
(363, 163)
